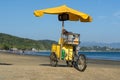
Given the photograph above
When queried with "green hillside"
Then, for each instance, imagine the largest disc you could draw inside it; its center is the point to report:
(8, 41)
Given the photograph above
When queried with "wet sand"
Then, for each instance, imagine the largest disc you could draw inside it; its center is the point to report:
(26, 67)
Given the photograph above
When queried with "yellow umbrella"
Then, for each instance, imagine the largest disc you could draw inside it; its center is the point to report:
(74, 15)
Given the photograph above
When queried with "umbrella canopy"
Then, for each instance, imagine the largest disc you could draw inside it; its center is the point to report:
(74, 15)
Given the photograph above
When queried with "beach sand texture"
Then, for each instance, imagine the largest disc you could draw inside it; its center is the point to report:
(24, 67)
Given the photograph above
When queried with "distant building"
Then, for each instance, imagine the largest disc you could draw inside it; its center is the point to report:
(33, 49)
(14, 49)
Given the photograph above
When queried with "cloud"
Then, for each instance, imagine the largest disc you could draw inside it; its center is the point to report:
(117, 14)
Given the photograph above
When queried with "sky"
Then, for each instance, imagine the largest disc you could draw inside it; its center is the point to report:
(16, 18)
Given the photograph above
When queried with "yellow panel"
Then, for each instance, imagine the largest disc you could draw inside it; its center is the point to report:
(56, 49)
(61, 40)
(69, 52)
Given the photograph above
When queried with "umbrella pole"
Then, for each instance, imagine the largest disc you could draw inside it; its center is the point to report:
(61, 39)
(62, 24)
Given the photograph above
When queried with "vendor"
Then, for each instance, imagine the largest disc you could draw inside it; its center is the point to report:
(64, 32)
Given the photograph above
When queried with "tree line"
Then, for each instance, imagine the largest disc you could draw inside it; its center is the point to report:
(98, 48)
(9, 41)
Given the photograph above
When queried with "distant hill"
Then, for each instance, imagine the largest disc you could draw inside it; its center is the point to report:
(10, 41)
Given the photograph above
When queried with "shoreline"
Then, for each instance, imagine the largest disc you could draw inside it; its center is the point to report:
(44, 55)
(89, 60)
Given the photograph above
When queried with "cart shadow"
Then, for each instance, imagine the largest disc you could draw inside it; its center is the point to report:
(50, 65)
(62, 66)
(5, 64)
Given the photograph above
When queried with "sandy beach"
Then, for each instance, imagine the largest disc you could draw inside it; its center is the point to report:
(26, 67)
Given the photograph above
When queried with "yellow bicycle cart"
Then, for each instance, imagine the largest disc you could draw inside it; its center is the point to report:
(68, 44)
(66, 49)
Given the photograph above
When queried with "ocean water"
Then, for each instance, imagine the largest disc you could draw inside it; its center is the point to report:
(102, 55)
(90, 55)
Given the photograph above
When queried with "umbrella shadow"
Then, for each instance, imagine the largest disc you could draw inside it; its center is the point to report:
(44, 64)
(5, 64)
(50, 65)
